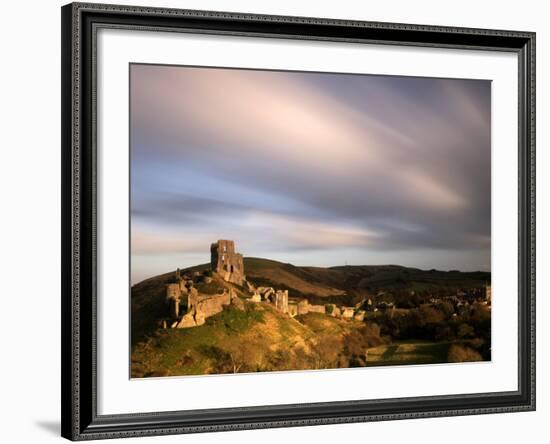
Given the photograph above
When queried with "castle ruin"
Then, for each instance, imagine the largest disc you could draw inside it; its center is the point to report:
(189, 305)
(226, 262)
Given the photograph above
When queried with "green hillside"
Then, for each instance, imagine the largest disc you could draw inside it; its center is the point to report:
(260, 338)
(257, 339)
(263, 339)
(344, 285)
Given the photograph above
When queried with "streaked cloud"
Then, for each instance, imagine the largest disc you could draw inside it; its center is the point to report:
(361, 166)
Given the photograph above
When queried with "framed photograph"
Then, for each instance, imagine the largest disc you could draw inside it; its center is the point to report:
(281, 221)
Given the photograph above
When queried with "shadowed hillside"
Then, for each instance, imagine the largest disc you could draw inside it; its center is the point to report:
(350, 284)
(301, 281)
(387, 277)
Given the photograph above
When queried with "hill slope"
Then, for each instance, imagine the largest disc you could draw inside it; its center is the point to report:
(349, 284)
(257, 339)
(260, 338)
(301, 281)
(345, 285)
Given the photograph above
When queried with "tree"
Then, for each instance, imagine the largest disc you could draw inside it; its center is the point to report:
(327, 351)
(354, 349)
(465, 331)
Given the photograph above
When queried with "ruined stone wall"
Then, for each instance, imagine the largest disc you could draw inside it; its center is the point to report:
(201, 307)
(192, 299)
(348, 312)
(173, 291)
(209, 306)
(281, 300)
(256, 297)
(293, 310)
(303, 307)
(173, 297)
(317, 308)
(184, 286)
(225, 261)
(267, 293)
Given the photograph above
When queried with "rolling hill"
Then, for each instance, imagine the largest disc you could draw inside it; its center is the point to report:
(343, 285)
(349, 284)
(258, 337)
(263, 339)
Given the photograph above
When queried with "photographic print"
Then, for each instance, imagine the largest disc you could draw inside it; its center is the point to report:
(286, 220)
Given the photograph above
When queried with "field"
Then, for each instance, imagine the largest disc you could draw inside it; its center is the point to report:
(409, 352)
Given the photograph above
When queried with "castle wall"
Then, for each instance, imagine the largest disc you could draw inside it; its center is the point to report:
(348, 312)
(317, 308)
(293, 310)
(281, 300)
(192, 299)
(174, 308)
(173, 297)
(201, 307)
(209, 306)
(173, 291)
(303, 307)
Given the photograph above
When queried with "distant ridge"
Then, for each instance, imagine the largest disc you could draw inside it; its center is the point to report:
(337, 280)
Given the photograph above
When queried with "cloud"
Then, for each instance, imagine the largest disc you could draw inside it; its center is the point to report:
(223, 109)
(418, 183)
(309, 161)
(303, 233)
(166, 242)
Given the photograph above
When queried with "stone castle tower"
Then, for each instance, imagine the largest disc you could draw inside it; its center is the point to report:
(226, 262)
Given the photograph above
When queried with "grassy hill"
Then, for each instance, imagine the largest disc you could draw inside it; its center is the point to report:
(257, 339)
(344, 285)
(262, 339)
(148, 302)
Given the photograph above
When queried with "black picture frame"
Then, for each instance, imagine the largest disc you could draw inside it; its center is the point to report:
(80, 420)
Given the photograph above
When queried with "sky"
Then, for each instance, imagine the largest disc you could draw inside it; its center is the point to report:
(315, 169)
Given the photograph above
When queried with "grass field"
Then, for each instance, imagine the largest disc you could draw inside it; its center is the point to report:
(409, 352)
